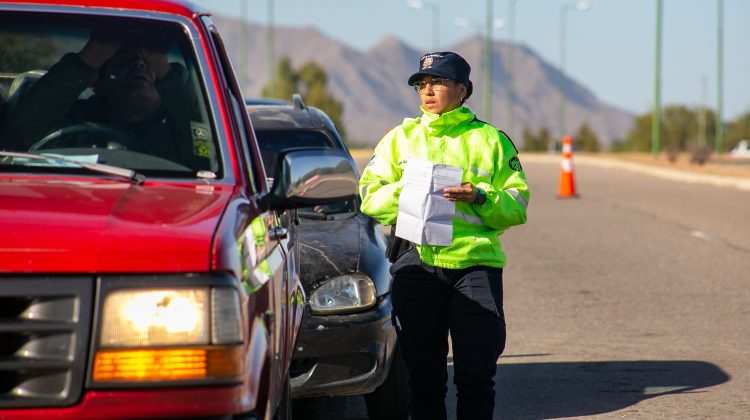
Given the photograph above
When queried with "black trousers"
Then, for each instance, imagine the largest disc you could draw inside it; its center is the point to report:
(430, 302)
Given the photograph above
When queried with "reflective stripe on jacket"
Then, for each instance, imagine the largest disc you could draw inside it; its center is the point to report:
(490, 162)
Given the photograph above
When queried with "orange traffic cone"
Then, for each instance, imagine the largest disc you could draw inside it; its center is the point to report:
(567, 183)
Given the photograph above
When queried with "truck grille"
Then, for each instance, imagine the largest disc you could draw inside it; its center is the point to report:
(44, 334)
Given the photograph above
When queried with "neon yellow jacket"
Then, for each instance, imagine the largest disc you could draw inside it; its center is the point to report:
(490, 162)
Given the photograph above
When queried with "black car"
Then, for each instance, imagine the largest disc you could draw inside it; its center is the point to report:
(347, 343)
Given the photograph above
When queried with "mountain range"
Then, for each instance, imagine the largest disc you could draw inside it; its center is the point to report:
(372, 84)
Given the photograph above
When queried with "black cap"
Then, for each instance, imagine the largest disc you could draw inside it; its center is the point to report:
(444, 64)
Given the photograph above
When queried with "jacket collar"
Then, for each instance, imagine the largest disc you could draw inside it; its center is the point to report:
(439, 122)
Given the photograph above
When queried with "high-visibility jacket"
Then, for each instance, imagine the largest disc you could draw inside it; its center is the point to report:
(489, 160)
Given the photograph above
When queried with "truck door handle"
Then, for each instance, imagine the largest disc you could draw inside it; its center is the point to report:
(268, 319)
(278, 233)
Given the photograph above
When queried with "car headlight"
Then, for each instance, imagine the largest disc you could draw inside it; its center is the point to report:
(169, 334)
(343, 295)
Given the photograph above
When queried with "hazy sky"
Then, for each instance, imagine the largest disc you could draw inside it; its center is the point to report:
(610, 47)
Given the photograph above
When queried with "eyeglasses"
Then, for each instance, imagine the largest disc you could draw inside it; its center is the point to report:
(437, 83)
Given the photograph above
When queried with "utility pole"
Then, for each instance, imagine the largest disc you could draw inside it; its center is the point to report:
(243, 43)
(271, 51)
(719, 77)
(488, 62)
(511, 57)
(656, 119)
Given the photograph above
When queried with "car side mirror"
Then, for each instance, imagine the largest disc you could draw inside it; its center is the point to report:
(307, 177)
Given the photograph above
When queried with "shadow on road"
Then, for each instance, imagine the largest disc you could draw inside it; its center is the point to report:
(572, 389)
(527, 391)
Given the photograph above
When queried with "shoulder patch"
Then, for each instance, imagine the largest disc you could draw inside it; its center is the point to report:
(515, 164)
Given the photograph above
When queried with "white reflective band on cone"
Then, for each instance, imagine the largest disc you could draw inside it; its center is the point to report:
(567, 166)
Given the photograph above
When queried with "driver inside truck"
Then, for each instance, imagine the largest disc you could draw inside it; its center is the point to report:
(140, 100)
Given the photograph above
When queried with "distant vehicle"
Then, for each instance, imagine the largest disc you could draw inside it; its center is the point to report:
(741, 150)
(347, 343)
(140, 280)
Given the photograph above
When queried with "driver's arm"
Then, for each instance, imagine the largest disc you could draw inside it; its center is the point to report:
(49, 103)
(46, 105)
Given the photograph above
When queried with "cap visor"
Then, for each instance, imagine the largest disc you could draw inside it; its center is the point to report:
(432, 72)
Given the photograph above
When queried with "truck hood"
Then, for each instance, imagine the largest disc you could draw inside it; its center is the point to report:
(53, 226)
(328, 248)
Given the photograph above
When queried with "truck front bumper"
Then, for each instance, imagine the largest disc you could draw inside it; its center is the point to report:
(208, 402)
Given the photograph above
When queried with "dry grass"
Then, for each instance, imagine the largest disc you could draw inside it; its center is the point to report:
(723, 166)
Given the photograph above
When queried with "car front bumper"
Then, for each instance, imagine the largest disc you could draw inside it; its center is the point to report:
(343, 354)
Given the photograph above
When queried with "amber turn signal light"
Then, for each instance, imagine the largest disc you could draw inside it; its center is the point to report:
(167, 364)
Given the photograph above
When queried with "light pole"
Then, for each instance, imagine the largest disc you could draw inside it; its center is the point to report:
(579, 6)
(243, 42)
(271, 50)
(656, 119)
(511, 69)
(719, 76)
(487, 64)
(419, 5)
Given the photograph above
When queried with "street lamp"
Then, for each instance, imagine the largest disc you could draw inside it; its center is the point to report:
(719, 76)
(419, 5)
(511, 69)
(579, 6)
(271, 49)
(491, 24)
(656, 118)
(243, 42)
(462, 22)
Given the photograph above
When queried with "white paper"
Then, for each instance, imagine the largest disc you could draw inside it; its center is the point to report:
(425, 217)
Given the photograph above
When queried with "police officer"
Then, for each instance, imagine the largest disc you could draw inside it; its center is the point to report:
(455, 288)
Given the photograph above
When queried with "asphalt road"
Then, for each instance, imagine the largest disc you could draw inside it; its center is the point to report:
(630, 301)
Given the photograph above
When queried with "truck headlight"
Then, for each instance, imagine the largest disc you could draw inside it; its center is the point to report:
(169, 334)
(343, 295)
(136, 318)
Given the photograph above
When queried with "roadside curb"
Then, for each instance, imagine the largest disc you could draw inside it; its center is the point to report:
(670, 174)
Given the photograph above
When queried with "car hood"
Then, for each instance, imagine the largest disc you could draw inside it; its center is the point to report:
(58, 226)
(328, 248)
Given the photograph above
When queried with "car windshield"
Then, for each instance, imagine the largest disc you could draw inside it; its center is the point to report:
(119, 91)
(273, 142)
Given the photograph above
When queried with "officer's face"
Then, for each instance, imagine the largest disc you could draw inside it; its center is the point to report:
(441, 96)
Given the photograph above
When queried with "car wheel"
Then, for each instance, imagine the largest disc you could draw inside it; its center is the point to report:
(284, 410)
(390, 400)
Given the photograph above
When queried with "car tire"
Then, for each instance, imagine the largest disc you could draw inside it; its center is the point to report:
(284, 410)
(390, 400)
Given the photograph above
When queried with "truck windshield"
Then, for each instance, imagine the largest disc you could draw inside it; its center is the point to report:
(114, 90)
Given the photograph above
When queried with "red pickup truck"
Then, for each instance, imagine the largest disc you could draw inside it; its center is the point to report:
(147, 270)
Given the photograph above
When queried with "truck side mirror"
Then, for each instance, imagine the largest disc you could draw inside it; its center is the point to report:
(307, 177)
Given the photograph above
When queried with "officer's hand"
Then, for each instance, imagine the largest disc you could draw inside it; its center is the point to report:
(466, 192)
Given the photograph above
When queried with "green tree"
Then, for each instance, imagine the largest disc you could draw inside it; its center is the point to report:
(535, 142)
(737, 130)
(585, 139)
(310, 81)
(22, 52)
(680, 129)
(284, 82)
(315, 93)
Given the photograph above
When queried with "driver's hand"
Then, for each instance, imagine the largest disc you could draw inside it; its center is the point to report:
(155, 53)
(102, 45)
(156, 61)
